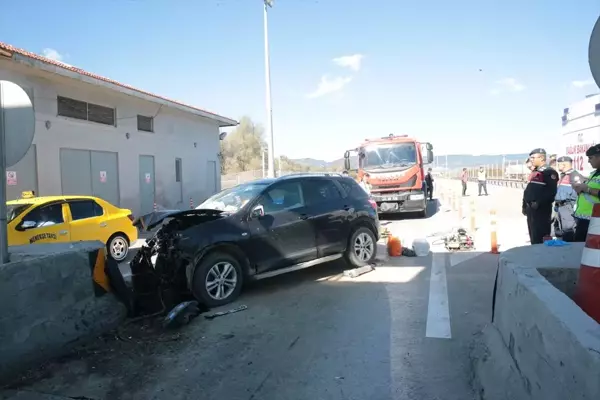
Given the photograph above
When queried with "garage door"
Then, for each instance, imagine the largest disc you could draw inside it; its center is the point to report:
(22, 176)
(86, 172)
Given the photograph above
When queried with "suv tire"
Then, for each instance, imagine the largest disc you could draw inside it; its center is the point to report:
(362, 247)
(217, 279)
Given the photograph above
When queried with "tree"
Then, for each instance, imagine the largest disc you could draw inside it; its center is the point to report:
(241, 151)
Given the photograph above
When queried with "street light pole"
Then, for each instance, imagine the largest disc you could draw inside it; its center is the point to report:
(271, 155)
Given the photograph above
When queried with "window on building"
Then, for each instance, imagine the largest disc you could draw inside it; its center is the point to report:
(145, 124)
(178, 171)
(82, 209)
(78, 109)
(597, 107)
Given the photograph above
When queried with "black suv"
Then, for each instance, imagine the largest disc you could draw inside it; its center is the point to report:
(261, 229)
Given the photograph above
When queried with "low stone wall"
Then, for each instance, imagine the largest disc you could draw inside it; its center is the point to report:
(49, 302)
(541, 345)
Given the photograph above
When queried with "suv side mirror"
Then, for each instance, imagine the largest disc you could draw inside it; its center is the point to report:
(257, 212)
(23, 226)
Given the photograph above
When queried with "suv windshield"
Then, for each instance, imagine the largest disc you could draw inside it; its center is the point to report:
(14, 210)
(389, 155)
(231, 200)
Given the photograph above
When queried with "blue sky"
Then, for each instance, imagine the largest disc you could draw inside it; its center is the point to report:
(415, 70)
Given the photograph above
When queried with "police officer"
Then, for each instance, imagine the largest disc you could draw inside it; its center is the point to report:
(566, 197)
(588, 195)
(538, 197)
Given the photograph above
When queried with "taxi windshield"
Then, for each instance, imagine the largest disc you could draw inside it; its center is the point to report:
(14, 210)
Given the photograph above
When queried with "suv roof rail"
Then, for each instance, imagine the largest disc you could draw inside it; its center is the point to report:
(312, 174)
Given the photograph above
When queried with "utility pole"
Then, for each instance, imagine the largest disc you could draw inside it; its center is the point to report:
(271, 157)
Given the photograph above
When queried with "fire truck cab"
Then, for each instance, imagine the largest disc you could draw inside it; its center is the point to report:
(395, 165)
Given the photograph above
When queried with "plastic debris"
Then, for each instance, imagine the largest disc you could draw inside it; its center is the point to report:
(182, 314)
(356, 272)
(555, 243)
(421, 247)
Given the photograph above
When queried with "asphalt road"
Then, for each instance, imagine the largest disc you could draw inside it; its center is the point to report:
(402, 331)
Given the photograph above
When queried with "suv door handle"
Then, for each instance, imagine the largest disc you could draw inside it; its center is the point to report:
(347, 208)
(303, 216)
(103, 224)
(63, 232)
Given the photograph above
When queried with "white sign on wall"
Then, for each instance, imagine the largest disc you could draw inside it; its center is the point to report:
(103, 176)
(148, 178)
(11, 178)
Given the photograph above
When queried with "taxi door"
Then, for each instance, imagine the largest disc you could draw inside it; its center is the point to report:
(88, 220)
(46, 223)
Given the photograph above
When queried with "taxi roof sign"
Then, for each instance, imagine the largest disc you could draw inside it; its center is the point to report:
(28, 194)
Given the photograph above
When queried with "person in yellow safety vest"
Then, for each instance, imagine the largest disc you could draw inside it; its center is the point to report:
(588, 194)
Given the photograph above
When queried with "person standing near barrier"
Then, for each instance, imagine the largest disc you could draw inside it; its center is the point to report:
(565, 200)
(588, 193)
(429, 181)
(538, 197)
(464, 178)
(482, 180)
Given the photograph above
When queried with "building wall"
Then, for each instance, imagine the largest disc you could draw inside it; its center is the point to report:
(176, 135)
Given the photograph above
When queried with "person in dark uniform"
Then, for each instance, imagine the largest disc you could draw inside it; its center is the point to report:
(538, 197)
(566, 198)
(429, 181)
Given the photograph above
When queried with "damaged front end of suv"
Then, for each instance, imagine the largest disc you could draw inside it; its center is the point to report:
(162, 269)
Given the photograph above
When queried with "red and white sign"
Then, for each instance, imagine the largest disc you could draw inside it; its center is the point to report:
(103, 176)
(11, 178)
(577, 153)
(148, 178)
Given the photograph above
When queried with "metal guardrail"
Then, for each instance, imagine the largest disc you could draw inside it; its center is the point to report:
(509, 183)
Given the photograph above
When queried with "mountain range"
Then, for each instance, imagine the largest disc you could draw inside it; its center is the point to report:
(454, 161)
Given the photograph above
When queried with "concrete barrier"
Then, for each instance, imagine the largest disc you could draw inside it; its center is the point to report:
(49, 302)
(540, 345)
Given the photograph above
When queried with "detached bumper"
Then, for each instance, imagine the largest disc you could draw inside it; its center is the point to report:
(414, 201)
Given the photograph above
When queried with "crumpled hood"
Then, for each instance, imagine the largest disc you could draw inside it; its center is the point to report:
(148, 221)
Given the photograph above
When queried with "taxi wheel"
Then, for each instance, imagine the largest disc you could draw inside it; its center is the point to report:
(118, 247)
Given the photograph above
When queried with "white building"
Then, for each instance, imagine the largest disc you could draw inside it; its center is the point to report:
(580, 130)
(97, 136)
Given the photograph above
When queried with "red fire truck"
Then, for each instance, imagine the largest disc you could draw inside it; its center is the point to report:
(395, 165)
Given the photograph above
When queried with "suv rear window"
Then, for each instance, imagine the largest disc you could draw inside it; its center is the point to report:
(352, 188)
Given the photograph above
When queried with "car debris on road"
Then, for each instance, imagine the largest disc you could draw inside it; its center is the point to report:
(356, 272)
(222, 313)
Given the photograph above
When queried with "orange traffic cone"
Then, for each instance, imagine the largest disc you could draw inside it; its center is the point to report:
(588, 283)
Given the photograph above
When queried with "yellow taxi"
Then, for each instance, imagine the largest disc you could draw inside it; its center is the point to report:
(56, 219)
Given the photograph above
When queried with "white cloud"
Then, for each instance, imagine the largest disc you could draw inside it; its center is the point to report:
(353, 62)
(52, 54)
(507, 85)
(581, 84)
(328, 86)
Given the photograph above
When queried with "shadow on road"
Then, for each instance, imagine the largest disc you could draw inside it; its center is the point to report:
(297, 340)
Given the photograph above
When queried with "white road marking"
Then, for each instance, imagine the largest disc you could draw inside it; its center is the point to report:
(438, 311)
